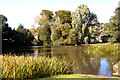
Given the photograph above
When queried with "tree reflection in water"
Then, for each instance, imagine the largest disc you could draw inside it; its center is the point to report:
(83, 63)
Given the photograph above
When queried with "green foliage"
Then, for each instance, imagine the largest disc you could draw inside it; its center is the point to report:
(44, 30)
(47, 13)
(71, 37)
(62, 34)
(55, 33)
(14, 38)
(44, 34)
(93, 25)
(67, 36)
(82, 19)
(32, 67)
(102, 49)
(64, 27)
(79, 32)
(36, 40)
(24, 35)
(7, 33)
(3, 19)
(113, 27)
(65, 16)
(105, 50)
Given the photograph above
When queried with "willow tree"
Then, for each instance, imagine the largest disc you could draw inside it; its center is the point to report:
(82, 20)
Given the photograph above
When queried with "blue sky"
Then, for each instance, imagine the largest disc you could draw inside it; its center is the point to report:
(25, 11)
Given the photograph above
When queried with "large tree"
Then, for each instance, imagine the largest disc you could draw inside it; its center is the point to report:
(62, 33)
(24, 35)
(44, 23)
(113, 27)
(6, 32)
(56, 32)
(65, 16)
(47, 13)
(82, 22)
(14, 38)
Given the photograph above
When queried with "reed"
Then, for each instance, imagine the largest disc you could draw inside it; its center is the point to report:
(103, 49)
(33, 67)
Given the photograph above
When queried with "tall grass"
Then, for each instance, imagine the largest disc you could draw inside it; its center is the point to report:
(32, 67)
(103, 49)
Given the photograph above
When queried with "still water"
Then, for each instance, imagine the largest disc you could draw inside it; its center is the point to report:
(83, 62)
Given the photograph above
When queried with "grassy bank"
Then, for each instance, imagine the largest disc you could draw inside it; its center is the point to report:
(103, 49)
(32, 67)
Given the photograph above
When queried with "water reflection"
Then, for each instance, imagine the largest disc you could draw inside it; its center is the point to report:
(36, 51)
(105, 67)
(83, 63)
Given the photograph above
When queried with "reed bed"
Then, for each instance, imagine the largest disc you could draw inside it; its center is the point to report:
(33, 67)
(103, 49)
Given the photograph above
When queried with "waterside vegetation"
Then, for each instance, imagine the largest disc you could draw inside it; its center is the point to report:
(103, 49)
(33, 67)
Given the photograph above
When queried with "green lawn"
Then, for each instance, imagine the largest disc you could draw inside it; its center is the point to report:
(76, 77)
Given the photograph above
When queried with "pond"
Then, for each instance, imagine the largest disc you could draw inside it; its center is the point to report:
(83, 62)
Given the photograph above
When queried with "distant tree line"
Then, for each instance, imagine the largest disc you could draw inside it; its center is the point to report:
(14, 38)
(62, 28)
(66, 27)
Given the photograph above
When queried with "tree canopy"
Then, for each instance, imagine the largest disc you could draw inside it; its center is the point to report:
(113, 27)
(64, 16)
(62, 27)
(83, 22)
(47, 13)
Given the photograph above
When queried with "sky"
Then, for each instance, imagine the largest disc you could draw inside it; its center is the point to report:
(24, 11)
